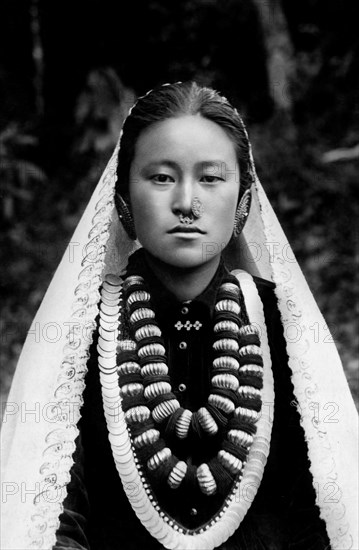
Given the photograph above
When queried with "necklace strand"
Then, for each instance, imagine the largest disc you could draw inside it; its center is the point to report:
(149, 403)
(115, 410)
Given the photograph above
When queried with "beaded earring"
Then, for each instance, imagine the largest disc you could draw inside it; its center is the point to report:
(242, 213)
(125, 216)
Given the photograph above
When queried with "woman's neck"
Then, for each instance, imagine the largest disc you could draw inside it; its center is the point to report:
(184, 283)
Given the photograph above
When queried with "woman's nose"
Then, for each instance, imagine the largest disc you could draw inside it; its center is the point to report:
(183, 196)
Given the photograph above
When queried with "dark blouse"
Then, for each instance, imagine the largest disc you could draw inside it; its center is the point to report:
(283, 514)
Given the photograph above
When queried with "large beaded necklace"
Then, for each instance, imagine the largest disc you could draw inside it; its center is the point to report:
(134, 371)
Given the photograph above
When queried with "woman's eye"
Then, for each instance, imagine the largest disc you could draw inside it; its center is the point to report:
(211, 179)
(162, 178)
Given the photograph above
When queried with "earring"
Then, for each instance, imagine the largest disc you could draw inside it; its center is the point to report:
(242, 213)
(125, 216)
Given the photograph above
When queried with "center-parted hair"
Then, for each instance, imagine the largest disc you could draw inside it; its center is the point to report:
(176, 100)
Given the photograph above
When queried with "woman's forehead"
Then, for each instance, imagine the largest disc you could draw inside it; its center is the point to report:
(189, 137)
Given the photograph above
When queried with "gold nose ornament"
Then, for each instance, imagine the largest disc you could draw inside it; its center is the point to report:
(197, 208)
(196, 212)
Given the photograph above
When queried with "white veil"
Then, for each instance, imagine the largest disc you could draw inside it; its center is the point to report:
(43, 408)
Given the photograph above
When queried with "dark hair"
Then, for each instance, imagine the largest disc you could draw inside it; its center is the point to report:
(175, 100)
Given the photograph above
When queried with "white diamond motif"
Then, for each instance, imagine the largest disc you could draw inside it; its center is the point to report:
(188, 325)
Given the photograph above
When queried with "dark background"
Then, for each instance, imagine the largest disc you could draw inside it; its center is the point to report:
(69, 71)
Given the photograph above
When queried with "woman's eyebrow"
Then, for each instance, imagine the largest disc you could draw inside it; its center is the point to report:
(174, 164)
(162, 162)
(211, 164)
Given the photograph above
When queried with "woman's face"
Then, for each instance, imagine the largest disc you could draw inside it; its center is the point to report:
(176, 160)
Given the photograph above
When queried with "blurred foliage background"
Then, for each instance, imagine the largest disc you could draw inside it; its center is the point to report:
(69, 71)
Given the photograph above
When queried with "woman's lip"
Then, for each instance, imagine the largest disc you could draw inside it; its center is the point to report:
(186, 229)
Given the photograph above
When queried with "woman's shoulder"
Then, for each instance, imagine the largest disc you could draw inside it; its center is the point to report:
(263, 283)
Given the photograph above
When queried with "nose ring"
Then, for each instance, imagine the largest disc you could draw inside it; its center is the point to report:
(186, 220)
(196, 212)
(197, 208)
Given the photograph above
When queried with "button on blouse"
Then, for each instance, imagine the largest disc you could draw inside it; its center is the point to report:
(189, 352)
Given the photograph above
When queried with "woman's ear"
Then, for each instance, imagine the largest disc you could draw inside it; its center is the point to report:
(125, 216)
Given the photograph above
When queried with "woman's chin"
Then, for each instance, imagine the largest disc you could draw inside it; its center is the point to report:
(183, 259)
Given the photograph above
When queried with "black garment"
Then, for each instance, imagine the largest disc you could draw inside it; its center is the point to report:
(283, 515)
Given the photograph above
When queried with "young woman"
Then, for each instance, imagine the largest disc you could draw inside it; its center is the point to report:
(203, 392)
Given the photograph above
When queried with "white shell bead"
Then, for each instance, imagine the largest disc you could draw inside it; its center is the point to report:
(177, 474)
(227, 326)
(151, 349)
(246, 330)
(206, 480)
(230, 287)
(232, 463)
(154, 369)
(249, 391)
(142, 313)
(249, 414)
(139, 413)
(183, 424)
(251, 349)
(126, 345)
(147, 331)
(228, 305)
(128, 390)
(138, 296)
(255, 370)
(157, 388)
(132, 280)
(156, 460)
(164, 409)
(225, 344)
(238, 437)
(225, 380)
(129, 367)
(227, 362)
(223, 403)
(147, 438)
(207, 421)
